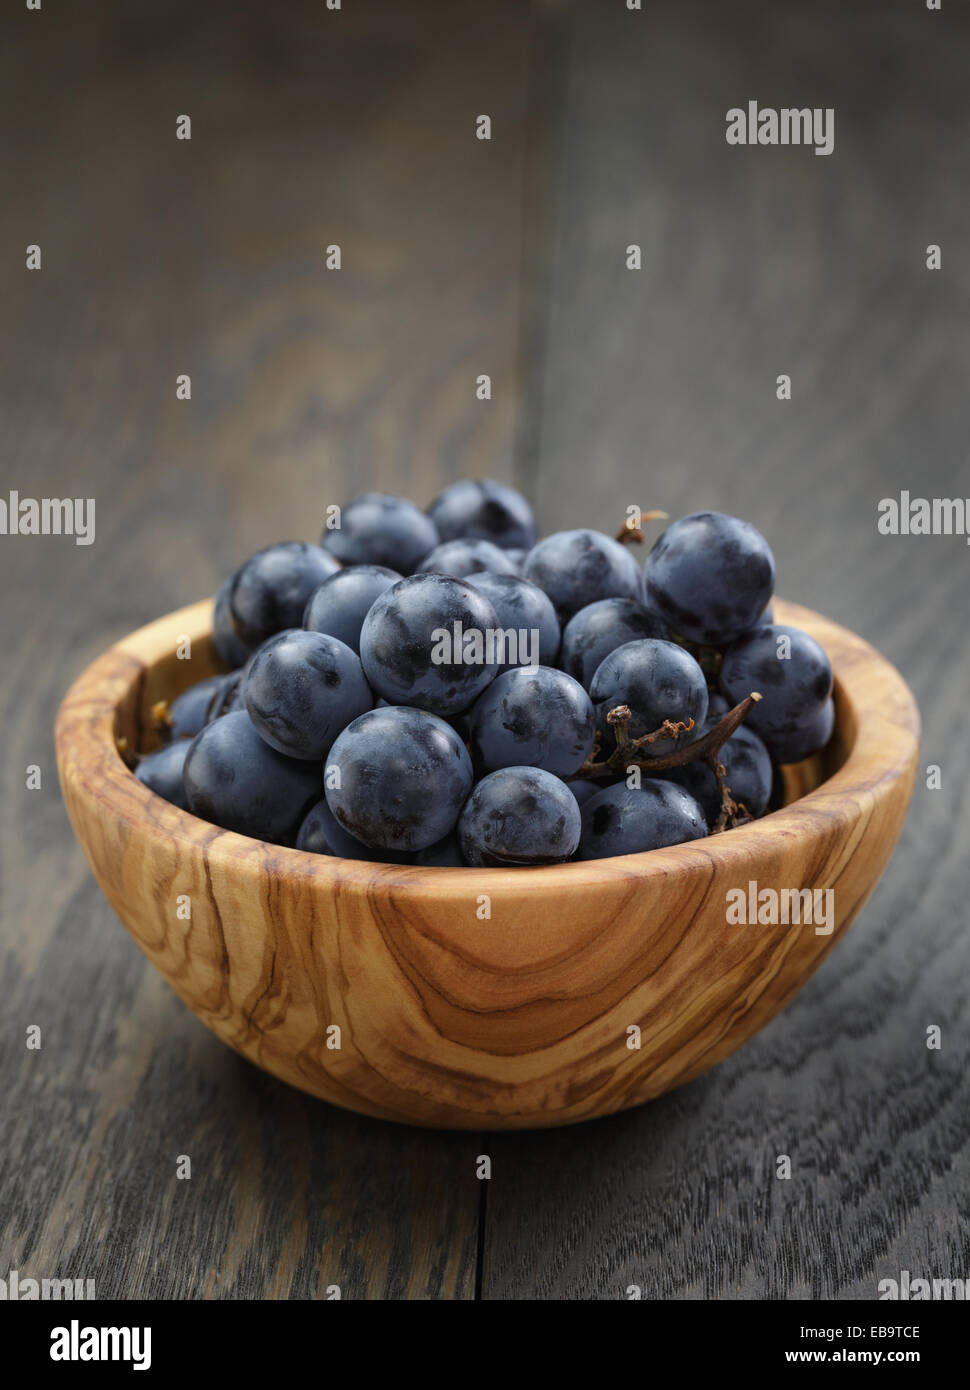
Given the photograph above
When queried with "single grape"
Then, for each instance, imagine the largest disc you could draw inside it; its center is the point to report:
(717, 706)
(270, 591)
(519, 816)
(461, 723)
(234, 779)
(321, 833)
(629, 820)
(379, 529)
(302, 688)
(533, 718)
(522, 608)
(812, 735)
(462, 556)
(411, 653)
(747, 772)
(791, 673)
(710, 576)
(161, 772)
(768, 616)
(396, 778)
(226, 697)
(583, 788)
(486, 511)
(229, 647)
(659, 681)
(601, 627)
(576, 568)
(341, 603)
(446, 854)
(188, 711)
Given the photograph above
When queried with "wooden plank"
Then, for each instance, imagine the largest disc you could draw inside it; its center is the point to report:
(207, 257)
(659, 389)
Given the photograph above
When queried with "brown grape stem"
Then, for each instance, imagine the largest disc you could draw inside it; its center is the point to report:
(633, 535)
(161, 716)
(706, 749)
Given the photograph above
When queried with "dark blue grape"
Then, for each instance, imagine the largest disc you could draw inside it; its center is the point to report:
(659, 681)
(342, 602)
(161, 772)
(461, 723)
(532, 718)
(229, 647)
(794, 687)
(188, 712)
(446, 854)
(522, 608)
(628, 820)
(486, 511)
(379, 529)
(709, 576)
(767, 617)
(601, 627)
(583, 788)
(301, 689)
(577, 568)
(717, 706)
(747, 772)
(396, 778)
(234, 779)
(460, 557)
(811, 736)
(519, 816)
(226, 697)
(321, 833)
(270, 591)
(408, 647)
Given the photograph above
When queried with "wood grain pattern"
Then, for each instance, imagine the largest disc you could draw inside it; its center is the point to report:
(448, 1020)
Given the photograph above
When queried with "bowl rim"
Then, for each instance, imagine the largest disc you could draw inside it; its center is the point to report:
(869, 691)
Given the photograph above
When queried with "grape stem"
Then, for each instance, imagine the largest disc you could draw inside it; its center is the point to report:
(161, 716)
(705, 749)
(633, 535)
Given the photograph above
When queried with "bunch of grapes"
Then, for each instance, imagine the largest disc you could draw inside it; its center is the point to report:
(442, 687)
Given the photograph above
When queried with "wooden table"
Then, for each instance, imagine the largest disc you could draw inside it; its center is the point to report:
(609, 386)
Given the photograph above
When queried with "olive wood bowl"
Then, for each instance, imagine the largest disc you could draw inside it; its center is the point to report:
(480, 998)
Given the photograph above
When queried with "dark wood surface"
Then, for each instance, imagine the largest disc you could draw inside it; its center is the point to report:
(611, 386)
(162, 257)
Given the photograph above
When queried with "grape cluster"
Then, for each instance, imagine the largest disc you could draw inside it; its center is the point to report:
(442, 687)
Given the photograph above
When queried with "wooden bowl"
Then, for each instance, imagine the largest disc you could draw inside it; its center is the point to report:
(480, 998)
